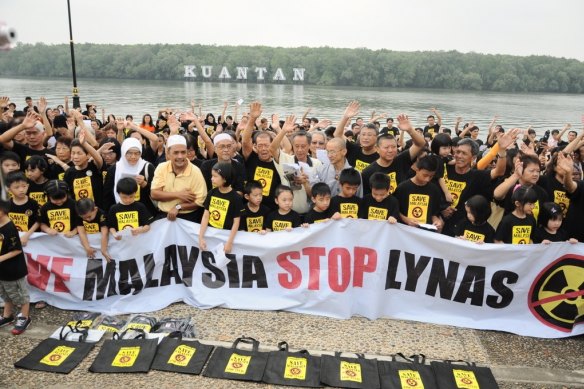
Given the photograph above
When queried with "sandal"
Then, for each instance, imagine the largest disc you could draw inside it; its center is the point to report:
(40, 305)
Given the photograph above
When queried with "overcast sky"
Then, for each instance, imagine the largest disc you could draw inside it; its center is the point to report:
(518, 27)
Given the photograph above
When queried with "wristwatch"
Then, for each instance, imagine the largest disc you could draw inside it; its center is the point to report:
(178, 207)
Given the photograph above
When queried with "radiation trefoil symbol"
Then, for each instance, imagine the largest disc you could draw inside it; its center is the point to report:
(556, 297)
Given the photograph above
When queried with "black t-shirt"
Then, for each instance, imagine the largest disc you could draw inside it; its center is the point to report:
(516, 230)
(238, 173)
(86, 183)
(432, 129)
(267, 175)
(277, 222)
(94, 226)
(475, 233)
(397, 172)
(373, 210)
(542, 197)
(348, 207)
(134, 215)
(62, 218)
(223, 208)
(573, 220)
(389, 131)
(542, 234)
(418, 202)
(25, 152)
(37, 192)
(142, 195)
(56, 172)
(555, 192)
(253, 221)
(314, 216)
(357, 158)
(25, 215)
(14, 268)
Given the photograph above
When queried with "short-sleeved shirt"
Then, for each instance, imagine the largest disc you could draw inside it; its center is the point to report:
(62, 218)
(238, 173)
(25, 215)
(515, 230)
(417, 202)
(121, 216)
(397, 171)
(14, 268)
(190, 179)
(374, 210)
(267, 174)
(357, 158)
(223, 208)
(277, 222)
(542, 197)
(348, 207)
(314, 216)
(475, 233)
(94, 226)
(253, 221)
(542, 234)
(555, 192)
(37, 192)
(394, 131)
(25, 152)
(86, 183)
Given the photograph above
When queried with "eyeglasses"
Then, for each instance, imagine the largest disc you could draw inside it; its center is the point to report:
(223, 147)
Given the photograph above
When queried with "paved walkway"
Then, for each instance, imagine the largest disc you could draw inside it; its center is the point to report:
(517, 362)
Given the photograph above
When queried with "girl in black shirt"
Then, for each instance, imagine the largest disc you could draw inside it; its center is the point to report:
(550, 225)
(475, 227)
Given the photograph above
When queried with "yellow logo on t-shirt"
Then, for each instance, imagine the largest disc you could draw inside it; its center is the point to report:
(377, 213)
(473, 236)
(562, 200)
(237, 364)
(57, 356)
(349, 210)
(465, 379)
(350, 372)
(127, 219)
(181, 356)
(218, 211)
(536, 209)
(20, 221)
(255, 224)
(295, 368)
(360, 165)
(39, 197)
(265, 177)
(418, 207)
(410, 379)
(59, 219)
(455, 188)
(392, 182)
(521, 234)
(126, 357)
(281, 225)
(91, 228)
(82, 188)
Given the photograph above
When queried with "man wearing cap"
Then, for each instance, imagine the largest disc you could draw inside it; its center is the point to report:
(34, 135)
(225, 148)
(178, 185)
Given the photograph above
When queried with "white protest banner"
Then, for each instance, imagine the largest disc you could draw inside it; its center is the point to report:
(338, 269)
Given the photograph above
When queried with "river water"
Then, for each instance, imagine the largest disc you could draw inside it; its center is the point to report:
(136, 97)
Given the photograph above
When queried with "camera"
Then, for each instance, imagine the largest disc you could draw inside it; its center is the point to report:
(545, 136)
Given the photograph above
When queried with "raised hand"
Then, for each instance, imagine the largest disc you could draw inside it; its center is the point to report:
(289, 124)
(31, 118)
(4, 101)
(508, 138)
(42, 105)
(255, 110)
(352, 109)
(404, 122)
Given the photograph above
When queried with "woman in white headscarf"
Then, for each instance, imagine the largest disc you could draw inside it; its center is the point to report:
(132, 165)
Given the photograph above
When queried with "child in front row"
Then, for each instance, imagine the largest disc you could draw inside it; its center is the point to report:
(23, 210)
(254, 212)
(284, 218)
(128, 213)
(346, 203)
(379, 205)
(321, 211)
(58, 215)
(550, 225)
(223, 206)
(475, 227)
(518, 227)
(94, 222)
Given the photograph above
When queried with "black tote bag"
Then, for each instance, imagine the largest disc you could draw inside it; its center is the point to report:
(236, 364)
(181, 356)
(346, 372)
(57, 355)
(292, 369)
(412, 373)
(119, 355)
(462, 374)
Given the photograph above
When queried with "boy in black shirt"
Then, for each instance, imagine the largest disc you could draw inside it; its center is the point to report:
(23, 209)
(94, 222)
(254, 212)
(284, 218)
(379, 205)
(128, 213)
(346, 203)
(58, 215)
(419, 198)
(13, 271)
(321, 198)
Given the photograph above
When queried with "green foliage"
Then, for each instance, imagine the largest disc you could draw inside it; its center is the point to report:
(324, 66)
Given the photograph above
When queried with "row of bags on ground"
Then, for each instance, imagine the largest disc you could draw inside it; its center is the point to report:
(283, 367)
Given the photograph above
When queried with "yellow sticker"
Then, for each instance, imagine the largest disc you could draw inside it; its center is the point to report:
(84, 323)
(265, 177)
(181, 356)
(455, 188)
(280, 225)
(255, 224)
(392, 182)
(410, 379)
(140, 326)
(218, 208)
(237, 364)
(101, 327)
(126, 357)
(20, 221)
(360, 165)
(127, 219)
(418, 207)
(295, 368)
(351, 372)
(473, 236)
(521, 234)
(562, 200)
(82, 188)
(39, 197)
(59, 219)
(91, 228)
(377, 213)
(465, 379)
(349, 210)
(536, 209)
(57, 356)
